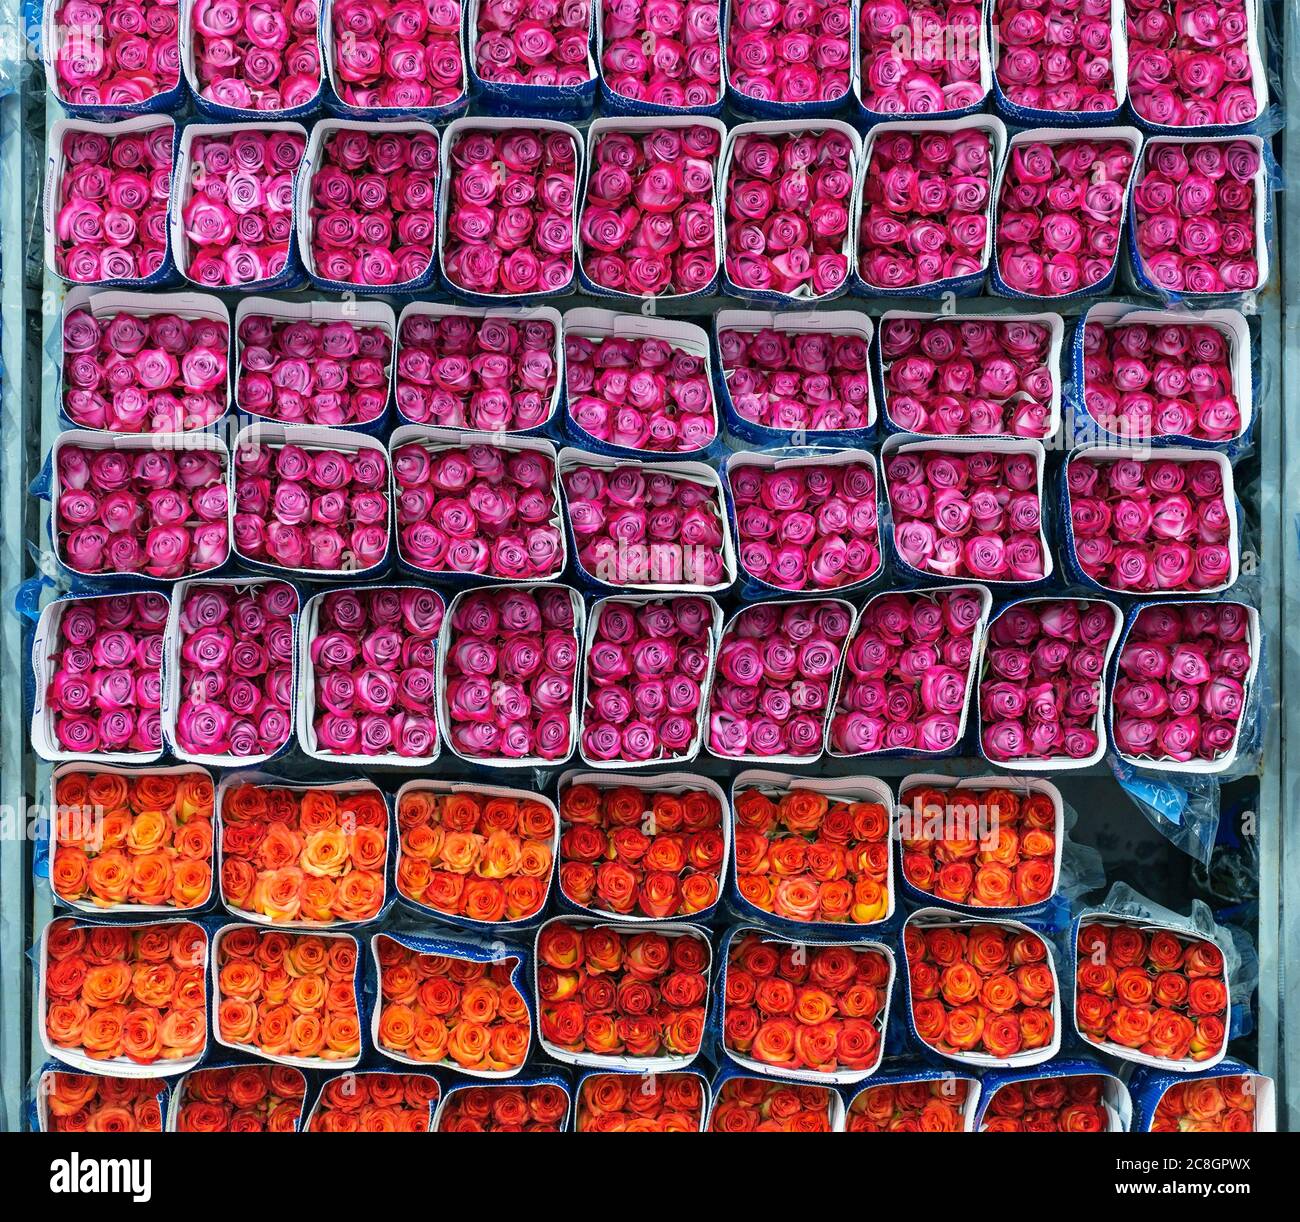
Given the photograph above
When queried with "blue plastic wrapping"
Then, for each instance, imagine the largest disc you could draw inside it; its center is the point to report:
(1149, 1086)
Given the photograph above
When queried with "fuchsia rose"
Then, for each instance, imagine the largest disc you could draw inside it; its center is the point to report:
(236, 651)
(261, 55)
(495, 374)
(237, 206)
(666, 53)
(1043, 678)
(1183, 682)
(105, 666)
(1056, 55)
(772, 687)
(649, 226)
(1188, 63)
(1144, 380)
(110, 197)
(322, 509)
(144, 372)
(404, 55)
(926, 201)
(534, 42)
(640, 393)
(920, 59)
(790, 52)
(509, 673)
(1146, 524)
(1058, 214)
(486, 508)
(788, 197)
(648, 666)
(302, 372)
(642, 525)
(952, 377)
(907, 673)
(115, 52)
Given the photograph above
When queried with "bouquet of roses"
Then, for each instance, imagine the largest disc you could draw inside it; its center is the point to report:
(662, 1103)
(811, 856)
(138, 840)
(927, 1105)
(662, 53)
(142, 62)
(125, 996)
(540, 44)
(241, 1099)
(653, 852)
(947, 76)
(134, 370)
(376, 1102)
(443, 1008)
(789, 54)
(1069, 1104)
(260, 55)
(483, 856)
(403, 56)
(605, 991)
(91, 1103)
(529, 1108)
(759, 1105)
(1225, 1104)
(303, 855)
(289, 997)
(1056, 56)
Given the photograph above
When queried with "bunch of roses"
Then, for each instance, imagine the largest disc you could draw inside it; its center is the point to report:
(437, 1008)
(511, 664)
(89, 1103)
(105, 664)
(534, 42)
(1181, 687)
(483, 508)
(924, 1106)
(976, 514)
(819, 1012)
(654, 854)
(782, 52)
(787, 197)
(1173, 379)
(259, 55)
(493, 374)
(505, 1109)
(139, 59)
(1162, 993)
(925, 208)
(1188, 64)
(759, 1105)
(907, 671)
(607, 991)
(121, 841)
(1071, 1104)
(665, 52)
(303, 372)
(1008, 862)
(483, 857)
(941, 73)
(238, 212)
(640, 394)
(1041, 691)
(404, 55)
(288, 995)
(980, 988)
(1059, 212)
(158, 511)
(807, 527)
(798, 381)
(967, 377)
(111, 200)
(805, 857)
(649, 224)
(322, 509)
(510, 223)
(1195, 217)
(1148, 524)
(313, 856)
(372, 206)
(244, 1099)
(772, 687)
(236, 669)
(1208, 1105)
(1056, 55)
(646, 670)
(149, 373)
(374, 672)
(376, 1103)
(635, 524)
(662, 1103)
(136, 995)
